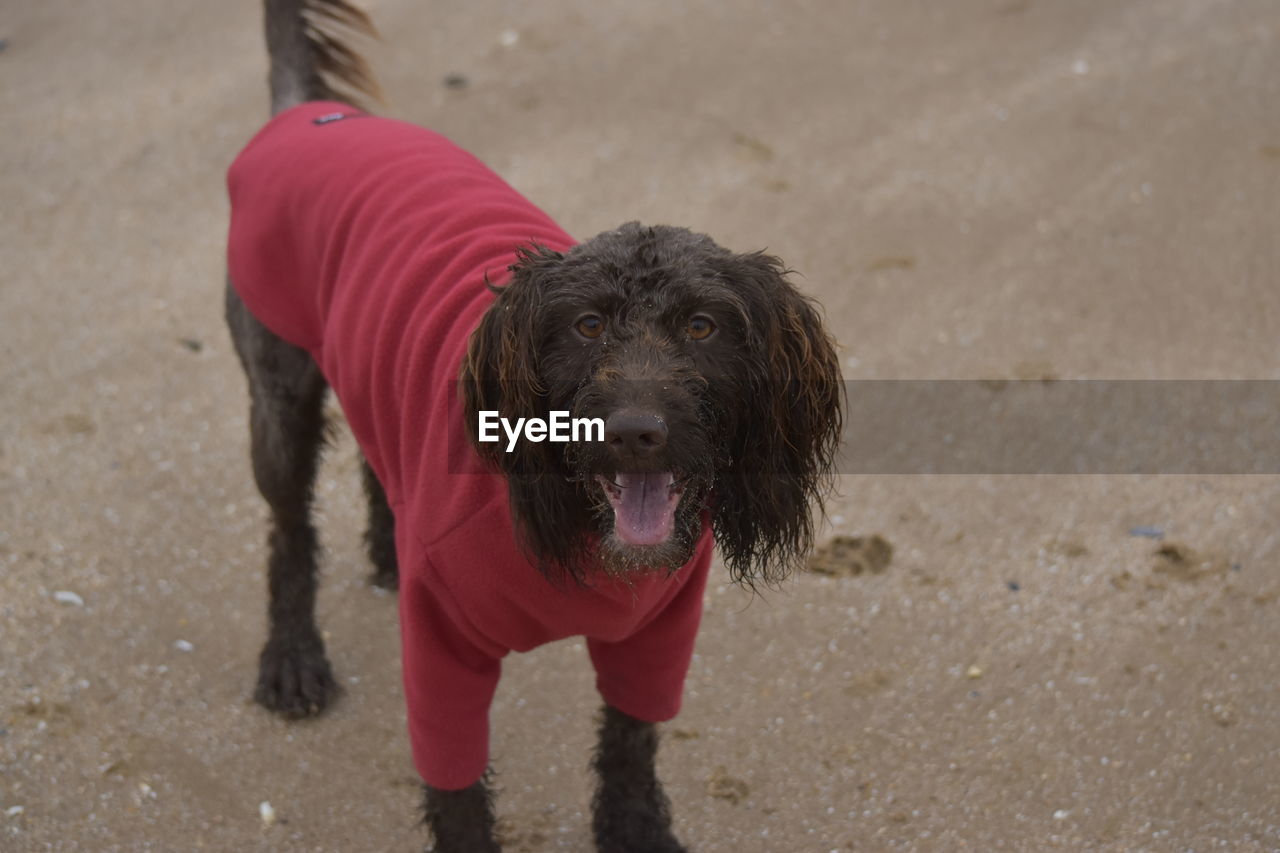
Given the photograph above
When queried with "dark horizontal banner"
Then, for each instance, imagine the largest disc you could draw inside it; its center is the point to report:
(1061, 427)
(1055, 426)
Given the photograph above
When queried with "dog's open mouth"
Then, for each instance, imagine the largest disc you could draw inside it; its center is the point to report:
(644, 505)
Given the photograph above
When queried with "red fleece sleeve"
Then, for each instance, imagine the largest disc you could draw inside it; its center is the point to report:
(448, 686)
(643, 675)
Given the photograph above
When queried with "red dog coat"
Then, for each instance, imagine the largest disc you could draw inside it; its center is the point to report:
(366, 241)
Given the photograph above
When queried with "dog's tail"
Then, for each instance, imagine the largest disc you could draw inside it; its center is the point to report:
(310, 57)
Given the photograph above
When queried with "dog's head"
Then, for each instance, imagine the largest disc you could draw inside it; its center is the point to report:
(716, 384)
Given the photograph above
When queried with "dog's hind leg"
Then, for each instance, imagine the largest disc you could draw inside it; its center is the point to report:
(380, 536)
(287, 431)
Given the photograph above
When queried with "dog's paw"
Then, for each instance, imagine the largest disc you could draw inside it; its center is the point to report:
(294, 679)
(651, 844)
(635, 831)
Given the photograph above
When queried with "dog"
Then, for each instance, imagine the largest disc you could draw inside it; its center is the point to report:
(375, 258)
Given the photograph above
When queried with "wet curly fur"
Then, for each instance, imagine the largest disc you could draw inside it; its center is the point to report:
(755, 406)
(709, 369)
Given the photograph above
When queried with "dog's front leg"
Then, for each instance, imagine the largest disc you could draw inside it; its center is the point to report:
(461, 821)
(631, 813)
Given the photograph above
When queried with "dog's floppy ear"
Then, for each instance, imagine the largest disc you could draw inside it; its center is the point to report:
(781, 459)
(501, 373)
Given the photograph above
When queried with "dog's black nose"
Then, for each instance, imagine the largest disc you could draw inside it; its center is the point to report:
(633, 435)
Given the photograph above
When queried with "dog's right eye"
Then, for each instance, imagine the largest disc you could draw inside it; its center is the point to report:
(590, 326)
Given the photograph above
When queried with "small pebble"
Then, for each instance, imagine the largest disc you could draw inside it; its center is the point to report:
(64, 596)
(1061, 814)
(267, 813)
(1014, 586)
(182, 645)
(508, 38)
(1147, 532)
(974, 671)
(14, 811)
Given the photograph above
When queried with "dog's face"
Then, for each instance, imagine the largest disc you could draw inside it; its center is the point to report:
(717, 387)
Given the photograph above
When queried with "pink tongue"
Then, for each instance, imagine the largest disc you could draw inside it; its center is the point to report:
(644, 513)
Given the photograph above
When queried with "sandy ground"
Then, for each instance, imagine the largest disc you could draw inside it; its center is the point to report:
(981, 188)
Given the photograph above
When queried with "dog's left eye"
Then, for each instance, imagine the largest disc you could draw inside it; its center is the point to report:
(590, 326)
(701, 328)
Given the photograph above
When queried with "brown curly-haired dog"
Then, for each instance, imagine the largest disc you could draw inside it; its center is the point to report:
(361, 257)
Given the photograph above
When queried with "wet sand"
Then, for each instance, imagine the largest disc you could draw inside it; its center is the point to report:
(982, 189)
